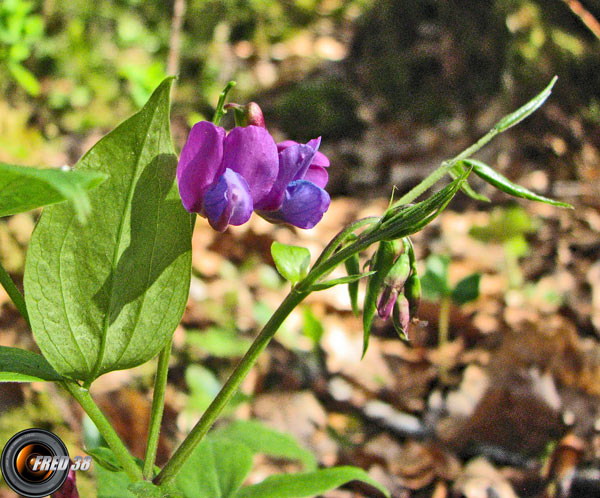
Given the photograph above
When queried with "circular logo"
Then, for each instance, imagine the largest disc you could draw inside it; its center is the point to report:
(35, 463)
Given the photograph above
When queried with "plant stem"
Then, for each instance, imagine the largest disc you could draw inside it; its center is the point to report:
(444, 168)
(13, 293)
(84, 398)
(323, 266)
(231, 386)
(158, 404)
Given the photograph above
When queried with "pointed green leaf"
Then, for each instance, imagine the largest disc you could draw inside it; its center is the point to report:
(520, 114)
(292, 262)
(434, 282)
(262, 439)
(109, 295)
(308, 484)
(467, 289)
(24, 188)
(502, 183)
(216, 469)
(382, 262)
(20, 365)
(353, 268)
(348, 279)
(458, 170)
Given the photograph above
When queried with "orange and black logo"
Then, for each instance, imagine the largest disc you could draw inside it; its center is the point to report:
(35, 463)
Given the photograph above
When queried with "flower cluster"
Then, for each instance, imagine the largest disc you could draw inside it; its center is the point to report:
(226, 176)
(401, 289)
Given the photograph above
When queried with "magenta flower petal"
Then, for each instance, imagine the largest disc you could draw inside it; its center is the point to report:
(251, 152)
(320, 159)
(303, 205)
(293, 165)
(199, 163)
(317, 175)
(228, 201)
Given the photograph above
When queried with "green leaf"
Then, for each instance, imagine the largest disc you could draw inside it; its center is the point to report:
(20, 365)
(109, 295)
(467, 289)
(434, 282)
(112, 484)
(348, 279)
(262, 439)
(308, 484)
(312, 326)
(219, 342)
(145, 489)
(24, 188)
(458, 170)
(383, 260)
(105, 458)
(502, 183)
(216, 469)
(520, 114)
(292, 262)
(24, 78)
(353, 268)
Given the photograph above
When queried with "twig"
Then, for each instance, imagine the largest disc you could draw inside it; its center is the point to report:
(175, 41)
(585, 15)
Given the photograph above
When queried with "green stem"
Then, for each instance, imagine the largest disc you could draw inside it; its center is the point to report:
(158, 404)
(219, 111)
(13, 293)
(444, 168)
(374, 233)
(121, 453)
(231, 386)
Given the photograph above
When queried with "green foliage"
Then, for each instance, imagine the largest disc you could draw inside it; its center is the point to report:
(24, 188)
(18, 365)
(308, 484)
(262, 439)
(505, 185)
(20, 31)
(467, 289)
(382, 263)
(312, 326)
(353, 268)
(219, 341)
(505, 224)
(111, 293)
(436, 286)
(204, 386)
(292, 262)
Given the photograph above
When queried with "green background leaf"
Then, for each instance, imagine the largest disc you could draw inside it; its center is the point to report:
(292, 262)
(24, 188)
(19, 365)
(262, 439)
(108, 296)
(307, 484)
(434, 282)
(467, 289)
(216, 469)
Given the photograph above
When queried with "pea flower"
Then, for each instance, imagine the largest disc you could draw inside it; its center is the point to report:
(225, 177)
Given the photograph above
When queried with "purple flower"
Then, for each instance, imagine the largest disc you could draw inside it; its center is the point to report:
(68, 489)
(224, 177)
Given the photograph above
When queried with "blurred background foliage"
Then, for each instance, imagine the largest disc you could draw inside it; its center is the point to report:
(73, 67)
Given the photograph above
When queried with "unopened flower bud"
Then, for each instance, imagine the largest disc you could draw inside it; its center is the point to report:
(247, 115)
(412, 291)
(401, 316)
